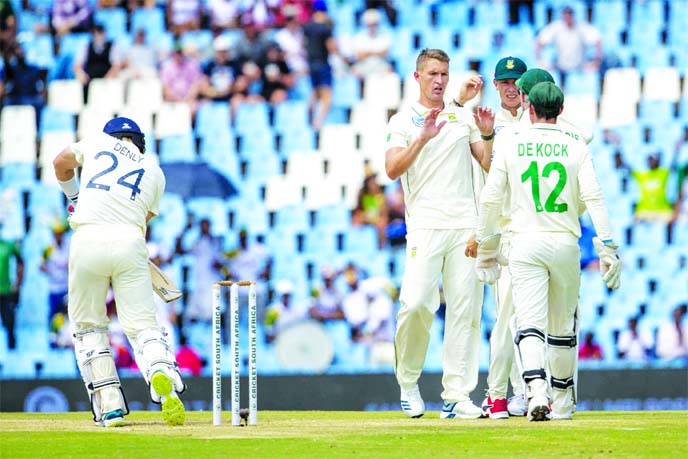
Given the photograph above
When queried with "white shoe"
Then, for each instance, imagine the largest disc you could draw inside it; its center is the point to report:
(517, 405)
(412, 403)
(464, 409)
(538, 408)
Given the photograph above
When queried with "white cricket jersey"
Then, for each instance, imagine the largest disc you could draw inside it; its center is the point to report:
(504, 118)
(548, 174)
(438, 187)
(119, 185)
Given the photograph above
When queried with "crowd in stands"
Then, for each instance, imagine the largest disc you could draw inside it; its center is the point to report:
(321, 78)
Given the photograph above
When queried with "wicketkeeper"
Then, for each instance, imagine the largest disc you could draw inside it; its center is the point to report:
(550, 176)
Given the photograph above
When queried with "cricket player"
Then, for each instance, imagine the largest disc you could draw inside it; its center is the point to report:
(120, 192)
(430, 147)
(548, 175)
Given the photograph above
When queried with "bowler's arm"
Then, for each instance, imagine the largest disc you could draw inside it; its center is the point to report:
(399, 159)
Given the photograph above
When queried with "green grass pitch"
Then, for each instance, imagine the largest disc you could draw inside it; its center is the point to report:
(319, 434)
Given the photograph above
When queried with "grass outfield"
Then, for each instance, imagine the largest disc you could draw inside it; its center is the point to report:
(336, 434)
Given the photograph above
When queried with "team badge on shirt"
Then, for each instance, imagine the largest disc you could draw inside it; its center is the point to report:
(418, 120)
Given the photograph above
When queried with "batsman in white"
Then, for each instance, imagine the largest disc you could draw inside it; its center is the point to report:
(549, 176)
(119, 193)
(430, 148)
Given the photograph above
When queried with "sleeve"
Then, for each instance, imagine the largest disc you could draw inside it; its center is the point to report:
(396, 136)
(492, 195)
(591, 194)
(79, 149)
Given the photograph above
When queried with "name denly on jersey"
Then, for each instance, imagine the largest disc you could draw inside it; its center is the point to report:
(127, 153)
(543, 149)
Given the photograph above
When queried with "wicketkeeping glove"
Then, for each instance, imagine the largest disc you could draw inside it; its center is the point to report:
(610, 265)
(489, 264)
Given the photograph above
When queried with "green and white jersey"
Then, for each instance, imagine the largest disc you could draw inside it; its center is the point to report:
(549, 175)
(565, 125)
(438, 187)
(119, 185)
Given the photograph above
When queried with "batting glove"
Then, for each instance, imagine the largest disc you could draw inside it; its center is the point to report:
(610, 265)
(489, 264)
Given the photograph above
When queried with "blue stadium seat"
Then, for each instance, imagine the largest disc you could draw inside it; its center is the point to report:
(46, 200)
(214, 209)
(213, 119)
(152, 20)
(346, 91)
(587, 83)
(73, 43)
(291, 115)
(18, 175)
(251, 119)
(60, 363)
(292, 219)
(18, 364)
(28, 20)
(361, 239)
(219, 152)
(55, 120)
(176, 148)
(114, 20)
(452, 14)
(320, 243)
(39, 50)
(294, 140)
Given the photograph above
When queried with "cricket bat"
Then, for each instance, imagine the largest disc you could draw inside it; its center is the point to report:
(162, 284)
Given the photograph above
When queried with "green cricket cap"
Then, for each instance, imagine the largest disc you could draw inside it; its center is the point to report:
(546, 96)
(509, 67)
(532, 77)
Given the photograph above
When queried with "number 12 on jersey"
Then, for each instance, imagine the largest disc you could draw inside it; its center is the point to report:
(533, 174)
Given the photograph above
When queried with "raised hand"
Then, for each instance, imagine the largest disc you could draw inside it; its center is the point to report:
(469, 89)
(484, 119)
(430, 126)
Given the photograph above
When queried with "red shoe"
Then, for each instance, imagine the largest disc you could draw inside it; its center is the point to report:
(499, 409)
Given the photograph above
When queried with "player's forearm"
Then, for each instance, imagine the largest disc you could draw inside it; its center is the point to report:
(600, 218)
(592, 196)
(488, 219)
(397, 161)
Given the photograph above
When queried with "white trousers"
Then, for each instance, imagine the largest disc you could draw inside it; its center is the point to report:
(545, 277)
(430, 253)
(101, 256)
(502, 364)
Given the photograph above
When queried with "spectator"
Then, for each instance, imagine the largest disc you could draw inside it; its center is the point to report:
(206, 251)
(290, 40)
(190, 362)
(371, 208)
(223, 14)
(589, 349)
(251, 261)
(70, 16)
(276, 77)
(371, 47)
(252, 45)
(672, 336)
(327, 298)
(24, 83)
(634, 344)
(8, 28)
(369, 310)
(223, 80)
(396, 214)
(263, 12)
(387, 5)
(9, 288)
(181, 78)
(570, 39)
(681, 204)
(320, 43)
(283, 312)
(184, 15)
(55, 262)
(653, 204)
(141, 59)
(98, 59)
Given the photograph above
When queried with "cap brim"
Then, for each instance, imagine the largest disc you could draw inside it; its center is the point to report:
(507, 76)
